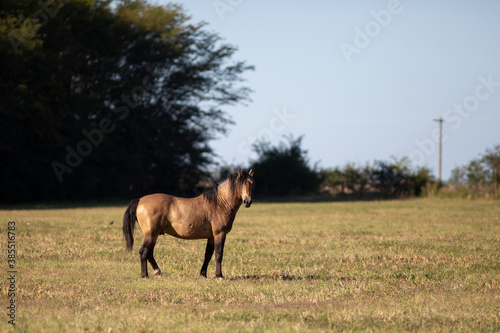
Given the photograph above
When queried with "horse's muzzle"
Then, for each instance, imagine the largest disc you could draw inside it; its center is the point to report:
(247, 202)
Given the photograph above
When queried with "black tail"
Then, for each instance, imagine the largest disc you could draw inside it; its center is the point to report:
(129, 219)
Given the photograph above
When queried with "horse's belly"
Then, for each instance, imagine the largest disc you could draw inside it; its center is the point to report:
(189, 230)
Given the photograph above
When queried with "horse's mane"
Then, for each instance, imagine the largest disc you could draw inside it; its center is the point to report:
(211, 194)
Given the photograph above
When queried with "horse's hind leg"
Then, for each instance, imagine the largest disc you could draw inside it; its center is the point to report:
(146, 253)
(144, 259)
(152, 260)
(208, 255)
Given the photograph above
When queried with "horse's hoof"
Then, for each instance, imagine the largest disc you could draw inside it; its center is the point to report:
(220, 278)
(158, 272)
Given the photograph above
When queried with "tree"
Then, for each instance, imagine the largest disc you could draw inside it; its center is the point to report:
(283, 170)
(458, 176)
(101, 101)
(392, 179)
(397, 178)
(476, 173)
(492, 160)
(480, 177)
(352, 177)
(357, 179)
(422, 176)
(480, 171)
(334, 178)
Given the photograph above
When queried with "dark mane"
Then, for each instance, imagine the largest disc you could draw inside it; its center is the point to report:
(211, 194)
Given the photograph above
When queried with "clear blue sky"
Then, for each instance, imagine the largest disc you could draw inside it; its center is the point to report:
(363, 80)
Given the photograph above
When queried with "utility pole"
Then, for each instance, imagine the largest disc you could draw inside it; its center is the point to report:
(440, 120)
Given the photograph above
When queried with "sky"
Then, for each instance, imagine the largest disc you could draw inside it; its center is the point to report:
(363, 80)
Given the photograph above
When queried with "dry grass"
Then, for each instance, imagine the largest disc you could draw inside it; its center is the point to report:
(395, 265)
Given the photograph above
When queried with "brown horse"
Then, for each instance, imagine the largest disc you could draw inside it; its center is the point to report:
(209, 216)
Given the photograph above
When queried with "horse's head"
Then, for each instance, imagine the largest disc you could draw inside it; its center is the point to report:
(247, 185)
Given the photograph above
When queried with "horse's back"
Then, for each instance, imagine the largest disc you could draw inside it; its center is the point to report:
(179, 217)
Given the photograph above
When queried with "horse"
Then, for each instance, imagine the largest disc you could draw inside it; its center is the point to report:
(208, 216)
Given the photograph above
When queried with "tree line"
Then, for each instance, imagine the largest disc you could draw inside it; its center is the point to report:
(285, 170)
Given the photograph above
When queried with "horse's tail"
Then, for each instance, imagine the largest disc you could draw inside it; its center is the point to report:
(129, 219)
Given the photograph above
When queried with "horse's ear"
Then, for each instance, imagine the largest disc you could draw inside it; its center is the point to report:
(250, 172)
(239, 172)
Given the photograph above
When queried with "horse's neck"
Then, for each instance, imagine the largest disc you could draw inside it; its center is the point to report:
(226, 199)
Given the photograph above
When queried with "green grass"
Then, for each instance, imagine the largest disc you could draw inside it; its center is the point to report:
(422, 264)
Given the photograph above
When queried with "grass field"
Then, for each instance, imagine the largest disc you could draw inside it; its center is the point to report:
(420, 264)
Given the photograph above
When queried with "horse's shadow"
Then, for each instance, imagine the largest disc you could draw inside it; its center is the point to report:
(280, 277)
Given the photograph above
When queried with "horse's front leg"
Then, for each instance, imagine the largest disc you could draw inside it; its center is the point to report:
(208, 255)
(219, 250)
